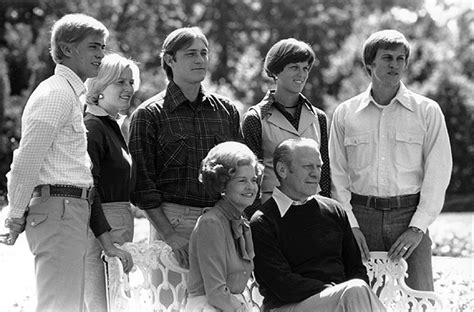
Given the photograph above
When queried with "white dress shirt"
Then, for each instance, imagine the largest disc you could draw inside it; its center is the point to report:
(284, 202)
(53, 146)
(399, 149)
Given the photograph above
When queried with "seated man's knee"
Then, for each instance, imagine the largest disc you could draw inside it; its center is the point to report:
(356, 288)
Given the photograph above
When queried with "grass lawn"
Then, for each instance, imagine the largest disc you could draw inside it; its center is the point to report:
(453, 275)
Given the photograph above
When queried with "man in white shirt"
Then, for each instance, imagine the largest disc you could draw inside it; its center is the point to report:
(391, 160)
(50, 181)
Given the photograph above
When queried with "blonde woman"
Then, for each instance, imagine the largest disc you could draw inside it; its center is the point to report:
(107, 95)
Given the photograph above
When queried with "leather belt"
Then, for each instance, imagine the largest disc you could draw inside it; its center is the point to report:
(58, 190)
(386, 203)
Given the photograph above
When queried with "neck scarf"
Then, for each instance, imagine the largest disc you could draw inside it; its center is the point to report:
(240, 229)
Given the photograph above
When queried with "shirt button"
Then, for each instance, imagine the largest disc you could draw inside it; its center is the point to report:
(67, 201)
(33, 223)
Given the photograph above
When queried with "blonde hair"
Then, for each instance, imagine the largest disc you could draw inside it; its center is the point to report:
(73, 28)
(111, 67)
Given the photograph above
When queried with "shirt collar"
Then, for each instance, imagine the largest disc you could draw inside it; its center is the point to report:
(284, 202)
(228, 209)
(402, 97)
(76, 83)
(176, 97)
(98, 111)
(269, 100)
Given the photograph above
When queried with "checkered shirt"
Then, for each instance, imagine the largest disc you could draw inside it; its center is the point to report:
(53, 147)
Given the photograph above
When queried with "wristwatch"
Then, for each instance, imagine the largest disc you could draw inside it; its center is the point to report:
(416, 230)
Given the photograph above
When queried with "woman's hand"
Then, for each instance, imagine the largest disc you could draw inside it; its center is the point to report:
(111, 250)
(124, 256)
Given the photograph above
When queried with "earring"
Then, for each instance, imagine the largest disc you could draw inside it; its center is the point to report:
(101, 96)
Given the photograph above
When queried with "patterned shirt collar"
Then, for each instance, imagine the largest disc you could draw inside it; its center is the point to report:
(175, 97)
(73, 79)
(402, 97)
(269, 100)
(284, 202)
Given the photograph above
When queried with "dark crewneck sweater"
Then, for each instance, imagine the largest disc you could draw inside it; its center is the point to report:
(300, 254)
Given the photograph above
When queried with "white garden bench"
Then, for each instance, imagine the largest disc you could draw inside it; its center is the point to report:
(135, 292)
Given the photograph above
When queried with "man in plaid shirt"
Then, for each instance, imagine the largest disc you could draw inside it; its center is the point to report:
(169, 136)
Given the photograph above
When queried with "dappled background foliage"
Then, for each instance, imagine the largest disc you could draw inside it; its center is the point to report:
(240, 33)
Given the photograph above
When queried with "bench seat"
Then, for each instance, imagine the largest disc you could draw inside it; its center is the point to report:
(135, 292)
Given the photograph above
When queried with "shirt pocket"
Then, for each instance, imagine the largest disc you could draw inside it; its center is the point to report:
(175, 150)
(358, 150)
(408, 149)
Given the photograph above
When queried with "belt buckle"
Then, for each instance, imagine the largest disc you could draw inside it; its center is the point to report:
(375, 202)
(380, 205)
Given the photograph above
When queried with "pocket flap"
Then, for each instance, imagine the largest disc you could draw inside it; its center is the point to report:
(36, 219)
(408, 137)
(356, 140)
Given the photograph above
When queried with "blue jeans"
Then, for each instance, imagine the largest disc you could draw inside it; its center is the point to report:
(381, 229)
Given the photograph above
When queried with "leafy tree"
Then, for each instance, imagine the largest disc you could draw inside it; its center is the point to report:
(240, 34)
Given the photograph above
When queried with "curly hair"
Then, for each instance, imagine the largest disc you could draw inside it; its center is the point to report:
(221, 163)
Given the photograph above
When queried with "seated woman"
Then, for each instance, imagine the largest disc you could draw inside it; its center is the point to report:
(221, 249)
(108, 94)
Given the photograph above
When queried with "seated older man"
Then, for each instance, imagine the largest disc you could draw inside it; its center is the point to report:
(306, 258)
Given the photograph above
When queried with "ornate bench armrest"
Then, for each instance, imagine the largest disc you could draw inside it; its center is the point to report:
(387, 280)
(135, 291)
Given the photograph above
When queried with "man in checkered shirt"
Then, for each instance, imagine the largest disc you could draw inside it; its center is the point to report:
(50, 179)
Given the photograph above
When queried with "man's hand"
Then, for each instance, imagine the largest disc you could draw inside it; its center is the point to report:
(16, 226)
(360, 239)
(404, 245)
(180, 246)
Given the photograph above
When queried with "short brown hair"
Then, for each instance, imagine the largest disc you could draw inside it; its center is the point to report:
(287, 51)
(179, 39)
(387, 39)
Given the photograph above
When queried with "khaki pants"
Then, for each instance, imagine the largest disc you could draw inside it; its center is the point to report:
(182, 219)
(120, 218)
(57, 233)
(354, 295)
